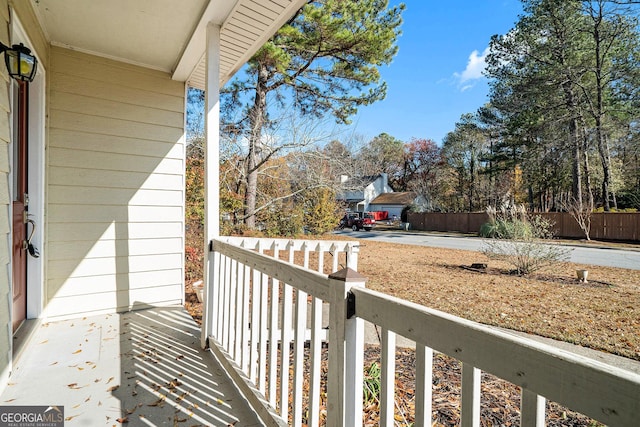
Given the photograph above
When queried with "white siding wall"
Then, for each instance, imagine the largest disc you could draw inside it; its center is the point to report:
(5, 202)
(115, 184)
(376, 188)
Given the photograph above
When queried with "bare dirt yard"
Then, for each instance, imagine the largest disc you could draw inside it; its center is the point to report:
(603, 314)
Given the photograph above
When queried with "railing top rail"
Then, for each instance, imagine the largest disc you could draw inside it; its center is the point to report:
(316, 284)
(295, 244)
(603, 392)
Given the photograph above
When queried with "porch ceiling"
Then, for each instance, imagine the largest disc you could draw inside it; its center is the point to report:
(168, 35)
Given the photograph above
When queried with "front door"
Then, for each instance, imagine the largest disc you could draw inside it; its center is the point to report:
(20, 202)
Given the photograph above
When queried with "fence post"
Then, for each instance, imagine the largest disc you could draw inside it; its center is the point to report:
(346, 352)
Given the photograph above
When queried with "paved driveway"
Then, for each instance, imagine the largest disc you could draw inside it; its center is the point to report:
(580, 254)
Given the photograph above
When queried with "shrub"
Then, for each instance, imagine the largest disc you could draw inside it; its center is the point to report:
(522, 241)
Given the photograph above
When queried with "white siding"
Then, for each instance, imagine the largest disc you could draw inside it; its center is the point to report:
(5, 289)
(115, 186)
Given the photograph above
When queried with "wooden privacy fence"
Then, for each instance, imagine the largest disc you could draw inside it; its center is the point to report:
(604, 226)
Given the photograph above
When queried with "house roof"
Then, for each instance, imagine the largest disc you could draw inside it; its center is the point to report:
(399, 198)
(168, 35)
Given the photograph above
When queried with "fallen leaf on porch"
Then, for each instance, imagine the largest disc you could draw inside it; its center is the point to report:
(110, 379)
(44, 342)
(75, 406)
(220, 402)
(158, 402)
(122, 420)
(10, 400)
(87, 399)
(180, 357)
(173, 384)
(232, 424)
(70, 418)
(97, 380)
(113, 388)
(80, 368)
(77, 351)
(131, 411)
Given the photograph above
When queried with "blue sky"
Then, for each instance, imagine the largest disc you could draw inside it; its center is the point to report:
(436, 76)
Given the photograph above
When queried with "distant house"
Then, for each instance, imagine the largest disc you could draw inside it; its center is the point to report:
(358, 192)
(394, 203)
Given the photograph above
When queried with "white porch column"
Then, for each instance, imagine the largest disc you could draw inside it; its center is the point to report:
(212, 168)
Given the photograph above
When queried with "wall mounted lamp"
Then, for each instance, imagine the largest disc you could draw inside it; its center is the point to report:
(21, 64)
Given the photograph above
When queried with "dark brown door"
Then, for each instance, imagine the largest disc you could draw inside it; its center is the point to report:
(20, 204)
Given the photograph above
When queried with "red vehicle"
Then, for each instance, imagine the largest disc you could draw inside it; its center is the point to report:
(355, 222)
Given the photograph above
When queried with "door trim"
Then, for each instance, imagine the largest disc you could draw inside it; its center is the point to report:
(37, 90)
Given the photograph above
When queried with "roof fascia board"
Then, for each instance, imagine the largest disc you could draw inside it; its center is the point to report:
(289, 11)
(217, 12)
(196, 47)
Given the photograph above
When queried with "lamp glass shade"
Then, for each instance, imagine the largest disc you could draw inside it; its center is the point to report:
(20, 64)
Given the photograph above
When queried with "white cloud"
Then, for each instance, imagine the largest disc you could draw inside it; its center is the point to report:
(475, 66)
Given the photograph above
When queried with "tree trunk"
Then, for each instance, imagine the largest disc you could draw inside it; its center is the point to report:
(257, 122)
(574, 141)
(585, 160)
(599, 113)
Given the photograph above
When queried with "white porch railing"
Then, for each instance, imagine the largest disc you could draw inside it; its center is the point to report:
(254, 299)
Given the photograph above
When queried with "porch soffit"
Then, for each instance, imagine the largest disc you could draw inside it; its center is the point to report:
(167, 35)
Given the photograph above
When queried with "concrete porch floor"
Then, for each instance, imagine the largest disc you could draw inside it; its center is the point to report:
(141, 368)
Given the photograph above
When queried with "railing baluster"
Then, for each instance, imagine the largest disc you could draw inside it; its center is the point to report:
(239, 284)
(424, 381)
(336, 258)
(470, 406)
(298, 361)
(221, 302)
(387, 377)
(226, 303)
(255, 325)
(273, 335)
(243, 339)
(233, 266)
(316, 354)
(532, 409)
(285, 343)
(264, 332)
(210, 314)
